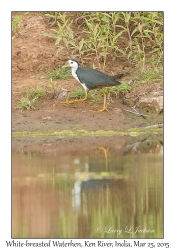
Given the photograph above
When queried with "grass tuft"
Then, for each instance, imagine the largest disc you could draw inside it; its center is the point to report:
(31, 95)
(58, 73)
(35, 92)
(16, 25)
(151, 75)
(26, 103)
(79, 93)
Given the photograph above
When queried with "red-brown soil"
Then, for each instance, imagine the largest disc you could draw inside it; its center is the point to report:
(32, 54)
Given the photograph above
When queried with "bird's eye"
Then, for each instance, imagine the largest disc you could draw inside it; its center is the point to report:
(71, 62)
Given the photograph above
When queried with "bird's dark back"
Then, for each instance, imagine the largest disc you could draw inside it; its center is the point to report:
(94, 78)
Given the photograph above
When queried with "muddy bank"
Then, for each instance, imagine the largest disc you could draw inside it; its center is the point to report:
(33, 54)
(149, 142)
(51, 116)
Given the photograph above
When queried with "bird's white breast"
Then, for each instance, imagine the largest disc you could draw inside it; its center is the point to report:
(76, 77)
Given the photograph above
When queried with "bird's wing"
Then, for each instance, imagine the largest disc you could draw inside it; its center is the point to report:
(94, 78)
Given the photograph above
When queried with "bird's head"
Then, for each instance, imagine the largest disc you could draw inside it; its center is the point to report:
(73, 64)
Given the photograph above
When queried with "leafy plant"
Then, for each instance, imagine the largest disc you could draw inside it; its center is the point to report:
(16, 25)
(32, 94)
(53, 17)
(133, 36)
(25, 103)
(52, 84)
(64, 35)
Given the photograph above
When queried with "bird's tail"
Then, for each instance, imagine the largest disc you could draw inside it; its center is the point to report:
(118, 76)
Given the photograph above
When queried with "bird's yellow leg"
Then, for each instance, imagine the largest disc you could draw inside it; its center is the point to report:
(73, 101)
(104, 104)
(105, 150)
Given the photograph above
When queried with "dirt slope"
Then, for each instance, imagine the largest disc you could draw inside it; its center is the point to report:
(32, 54)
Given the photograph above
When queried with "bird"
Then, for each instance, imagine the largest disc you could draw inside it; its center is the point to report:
(92, 79)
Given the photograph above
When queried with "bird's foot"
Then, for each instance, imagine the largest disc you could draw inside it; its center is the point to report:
(100, 110)
(73, 101)
(68, 102)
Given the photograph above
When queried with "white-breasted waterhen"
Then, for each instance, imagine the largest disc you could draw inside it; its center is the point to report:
(92, 79)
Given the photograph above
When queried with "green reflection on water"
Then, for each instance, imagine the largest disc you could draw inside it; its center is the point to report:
(85, 133)
(120, 194)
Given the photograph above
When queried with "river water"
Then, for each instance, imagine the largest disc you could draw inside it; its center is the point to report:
(108, 190)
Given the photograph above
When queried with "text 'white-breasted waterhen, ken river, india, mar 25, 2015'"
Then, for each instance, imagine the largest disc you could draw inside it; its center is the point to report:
(92, 79)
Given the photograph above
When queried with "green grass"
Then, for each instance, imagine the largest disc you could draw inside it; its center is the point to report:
(120, 89)
(79, 93)
(133, 36)
(25, 103)
(58, 73)
(35, 92)
(151, 75)
(28, 101)
(95, 95)
(16, 25)
(52, 17)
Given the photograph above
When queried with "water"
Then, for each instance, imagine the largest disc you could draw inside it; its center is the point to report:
(107, 188)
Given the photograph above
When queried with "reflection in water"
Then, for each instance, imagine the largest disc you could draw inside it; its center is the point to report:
(105, 192)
